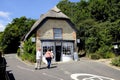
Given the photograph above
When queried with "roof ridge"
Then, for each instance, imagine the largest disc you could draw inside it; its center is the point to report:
(56, 9)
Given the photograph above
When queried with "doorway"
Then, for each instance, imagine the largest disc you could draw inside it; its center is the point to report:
(58, 53)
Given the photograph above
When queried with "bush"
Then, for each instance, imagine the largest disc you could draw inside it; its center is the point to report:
(116, 61)
(109, 55)
(105, 52)
(95, 56)
(28, 57)
(29, 51)
(18, 52)
(24, 56)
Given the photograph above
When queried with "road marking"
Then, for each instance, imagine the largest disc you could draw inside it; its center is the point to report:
(52, 76)
(85, 76)
(25, 68)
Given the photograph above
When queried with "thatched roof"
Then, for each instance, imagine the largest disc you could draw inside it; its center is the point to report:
(53, 13)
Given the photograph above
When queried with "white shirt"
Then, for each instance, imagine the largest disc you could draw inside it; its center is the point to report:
(38, 54)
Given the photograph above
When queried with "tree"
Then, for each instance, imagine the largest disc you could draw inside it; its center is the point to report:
(97, 22)
(99, 10)
(14, 32)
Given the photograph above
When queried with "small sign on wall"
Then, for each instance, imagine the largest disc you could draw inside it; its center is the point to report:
(33, 39)
(78, 40)
(115, 46)
(58, 43)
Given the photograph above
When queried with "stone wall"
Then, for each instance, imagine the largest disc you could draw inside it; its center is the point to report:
(46, 31)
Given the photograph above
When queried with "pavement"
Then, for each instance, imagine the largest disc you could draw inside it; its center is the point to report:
(104, 61)
(108, 63)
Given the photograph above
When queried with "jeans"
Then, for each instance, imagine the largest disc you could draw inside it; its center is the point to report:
(48, 61)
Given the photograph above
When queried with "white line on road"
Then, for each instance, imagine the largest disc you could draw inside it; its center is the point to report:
(85, 76)
(25, 68)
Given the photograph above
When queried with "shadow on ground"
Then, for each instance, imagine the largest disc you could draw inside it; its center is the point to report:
(50, 67)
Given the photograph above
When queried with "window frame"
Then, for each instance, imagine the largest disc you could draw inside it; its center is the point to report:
(57, 33)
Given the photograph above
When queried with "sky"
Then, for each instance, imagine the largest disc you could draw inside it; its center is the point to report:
(10, 9)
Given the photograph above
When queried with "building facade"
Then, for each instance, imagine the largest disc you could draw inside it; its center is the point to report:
(54, 30)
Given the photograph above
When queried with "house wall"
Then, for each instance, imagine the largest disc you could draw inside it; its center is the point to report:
(46, 30)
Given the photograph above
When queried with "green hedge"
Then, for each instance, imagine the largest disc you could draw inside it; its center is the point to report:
(29, 51)
(116, 61)
(94, 56)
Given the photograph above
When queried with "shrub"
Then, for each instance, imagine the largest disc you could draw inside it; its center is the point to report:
(18, 52)
(29, 51)
(105, 52)
(109, 55)
(24, 56)
(116, 61)
(95, 56)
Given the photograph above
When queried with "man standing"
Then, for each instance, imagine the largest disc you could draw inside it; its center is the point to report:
(38, 59)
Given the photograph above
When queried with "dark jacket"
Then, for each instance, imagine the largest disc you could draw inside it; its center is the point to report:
(2, 64)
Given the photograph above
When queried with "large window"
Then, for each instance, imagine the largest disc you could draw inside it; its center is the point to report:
(57, 33)
(67, 48)
(47, 45)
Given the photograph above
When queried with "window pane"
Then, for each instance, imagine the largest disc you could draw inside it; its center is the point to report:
(47, 45)
(57, 33)
(67, 48)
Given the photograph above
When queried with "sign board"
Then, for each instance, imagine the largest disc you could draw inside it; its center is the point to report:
(115, 46)
(33, 39)
(58, 43)
(78, 40)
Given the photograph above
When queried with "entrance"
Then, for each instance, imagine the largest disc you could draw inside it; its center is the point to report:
(58, 53)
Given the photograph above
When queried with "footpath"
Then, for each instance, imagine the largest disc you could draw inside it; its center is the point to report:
(104, 61)
(108, 63)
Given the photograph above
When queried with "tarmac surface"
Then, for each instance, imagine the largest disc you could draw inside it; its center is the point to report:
(85, 69)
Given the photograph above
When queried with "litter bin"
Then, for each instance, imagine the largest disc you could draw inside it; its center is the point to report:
(75, 56)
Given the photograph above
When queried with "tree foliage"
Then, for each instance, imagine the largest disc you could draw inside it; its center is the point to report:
(29, 51)
(97, 21)
(14, 32)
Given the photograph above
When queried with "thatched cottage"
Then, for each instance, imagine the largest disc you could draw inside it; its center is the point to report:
(56, 31)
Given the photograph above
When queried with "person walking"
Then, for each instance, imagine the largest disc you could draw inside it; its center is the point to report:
(38, 59)
(48, 56)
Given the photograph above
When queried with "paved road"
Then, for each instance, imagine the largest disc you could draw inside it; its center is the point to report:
(81, 70)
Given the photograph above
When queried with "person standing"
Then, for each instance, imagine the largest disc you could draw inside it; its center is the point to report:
(3, 64)
(48, 56)
(38, 59)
